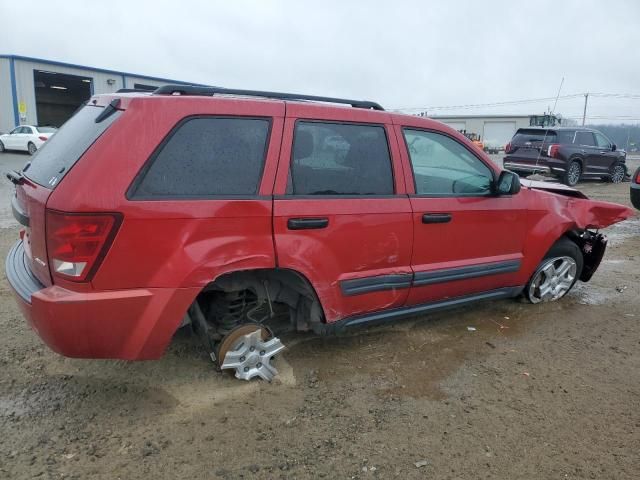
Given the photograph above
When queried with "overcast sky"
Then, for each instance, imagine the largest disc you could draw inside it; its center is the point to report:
(400, 53)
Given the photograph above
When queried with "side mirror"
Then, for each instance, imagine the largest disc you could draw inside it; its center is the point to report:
(508, 183)
(613, 147)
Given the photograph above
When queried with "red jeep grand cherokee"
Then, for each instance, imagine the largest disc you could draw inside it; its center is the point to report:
(225, 208)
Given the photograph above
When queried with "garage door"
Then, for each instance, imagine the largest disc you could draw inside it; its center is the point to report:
(58, 96)
(498, 134)
(457, 125)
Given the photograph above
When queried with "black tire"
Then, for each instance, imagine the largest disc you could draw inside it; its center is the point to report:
(31, 148)
(1, 147)
(574, 171)
(562, 248)
(618, 173)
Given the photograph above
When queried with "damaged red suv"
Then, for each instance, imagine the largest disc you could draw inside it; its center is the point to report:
(229, 210)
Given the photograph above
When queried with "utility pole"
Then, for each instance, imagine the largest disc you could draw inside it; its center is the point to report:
(626, 149)
(584, 113)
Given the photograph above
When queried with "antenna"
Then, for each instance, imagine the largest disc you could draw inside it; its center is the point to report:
(544, 139)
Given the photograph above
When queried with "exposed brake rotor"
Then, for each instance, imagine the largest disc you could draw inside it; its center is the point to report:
(248, 349)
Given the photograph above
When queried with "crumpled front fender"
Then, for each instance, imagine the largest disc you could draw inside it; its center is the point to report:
(552, 215)
(595, 214)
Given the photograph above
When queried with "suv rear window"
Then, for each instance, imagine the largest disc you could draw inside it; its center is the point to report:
(536, 136)
(64, 148)
(204, 157)
(340, 159)
(533, 136)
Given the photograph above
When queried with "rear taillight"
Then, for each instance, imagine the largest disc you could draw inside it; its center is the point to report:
(507, 148)
(77, 243)
(552, 150)
(637, 180)
(43, 138)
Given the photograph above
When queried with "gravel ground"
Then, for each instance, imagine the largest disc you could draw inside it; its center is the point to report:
(547, 391)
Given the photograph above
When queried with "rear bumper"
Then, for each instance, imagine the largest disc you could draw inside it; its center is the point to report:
(526, 167)
(134, 324)
(531, 164)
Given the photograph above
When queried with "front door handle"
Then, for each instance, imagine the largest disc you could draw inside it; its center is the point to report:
(436, 218)
(307, 223)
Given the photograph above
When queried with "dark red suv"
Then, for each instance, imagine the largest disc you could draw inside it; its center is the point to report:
(231, 209)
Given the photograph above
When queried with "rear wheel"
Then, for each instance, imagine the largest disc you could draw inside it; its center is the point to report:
(1, 147)
(557, 273)
(31, 148)
(617, 173)
(573, 173)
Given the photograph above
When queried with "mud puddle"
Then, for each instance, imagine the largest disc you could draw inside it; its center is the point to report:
(411, 358)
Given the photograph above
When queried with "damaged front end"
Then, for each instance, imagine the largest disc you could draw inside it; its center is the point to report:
(590, 214)
(592, 245)
(570, 211)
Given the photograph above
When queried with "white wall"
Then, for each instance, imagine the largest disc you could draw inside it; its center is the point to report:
(6, 102)
(476, 124)
(131, 81)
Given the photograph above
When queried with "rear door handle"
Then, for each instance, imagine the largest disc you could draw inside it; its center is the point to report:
(436, 218)
(307, 223)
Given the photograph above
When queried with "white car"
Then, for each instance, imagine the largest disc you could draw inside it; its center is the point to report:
(26, 137)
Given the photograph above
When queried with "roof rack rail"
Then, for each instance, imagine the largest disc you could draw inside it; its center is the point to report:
(195, 90)
(135, 90)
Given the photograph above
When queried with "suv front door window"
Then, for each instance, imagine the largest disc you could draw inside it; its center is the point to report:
(604, 156)
(466, 239)
(602, 141)
(441, 166)
(594, 161)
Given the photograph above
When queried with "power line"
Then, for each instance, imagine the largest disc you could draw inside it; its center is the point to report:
(519, 102)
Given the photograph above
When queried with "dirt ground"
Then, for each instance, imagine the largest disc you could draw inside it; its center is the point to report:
(535, 392)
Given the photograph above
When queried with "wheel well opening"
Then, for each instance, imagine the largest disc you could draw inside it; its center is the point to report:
(278, 298)
(576, 159)
(592, 245)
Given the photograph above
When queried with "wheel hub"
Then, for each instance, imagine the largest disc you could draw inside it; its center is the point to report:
(553, 279)
(248, 349)
(618, 174)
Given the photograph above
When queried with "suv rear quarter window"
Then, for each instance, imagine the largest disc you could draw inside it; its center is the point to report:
(206, 157)
(340, 159)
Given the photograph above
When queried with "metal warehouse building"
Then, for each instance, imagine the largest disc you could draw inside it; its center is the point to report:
(34, 91)
(494, 130)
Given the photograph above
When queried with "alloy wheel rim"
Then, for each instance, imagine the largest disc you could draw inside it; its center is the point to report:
(32, 149)
(553, 279)
(250, 354)
(618, 174)
(574, 173)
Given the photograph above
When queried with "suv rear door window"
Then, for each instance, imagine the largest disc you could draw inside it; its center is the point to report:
(340, 159)
(444, 167)
(58, 154)
(585, 138)
(206, 156)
